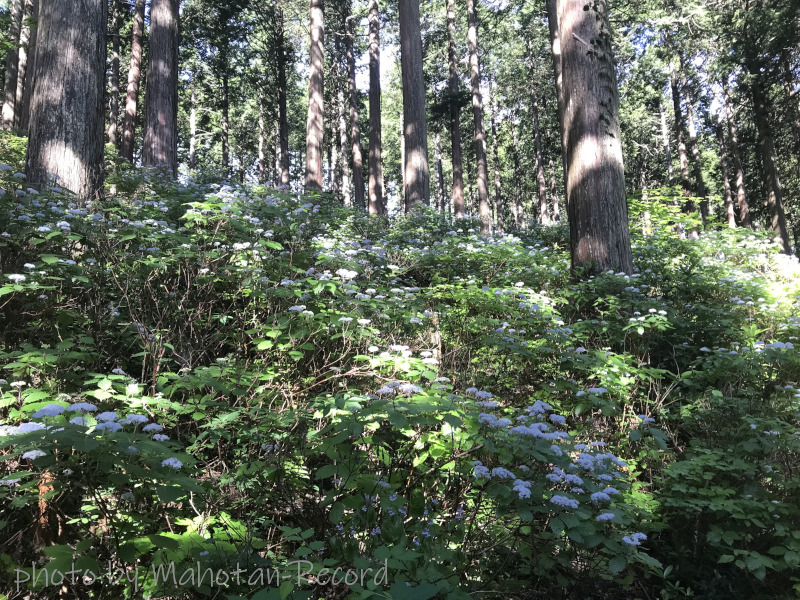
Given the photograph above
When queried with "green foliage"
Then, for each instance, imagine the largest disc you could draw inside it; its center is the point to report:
(309, 384)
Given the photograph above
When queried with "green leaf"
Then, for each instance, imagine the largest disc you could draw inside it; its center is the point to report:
(635, 435)
(616, 564)
(402, 591)
(327, 471)
(286, 589)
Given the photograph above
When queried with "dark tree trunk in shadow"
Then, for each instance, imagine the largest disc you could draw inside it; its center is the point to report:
(376, 200)
(683, 157)
(482, 176)
(596, 202)
(439, 173)
(698, 165)
(160, 146)
(12, 64)
(726, 182)
(113, 92)
(283, 118)
(455, 112)
(67, 116)
(355, 126)
(30, 72)
(225, 122)
(25, 51)
(665, 139)
(741, 196)
(415, 165)
(134, 72)
(498, 190)
(316, 101)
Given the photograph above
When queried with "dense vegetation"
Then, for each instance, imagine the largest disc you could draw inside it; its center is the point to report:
(223, 376)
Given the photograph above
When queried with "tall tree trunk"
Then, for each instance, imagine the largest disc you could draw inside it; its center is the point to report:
(402, 156)
(520, 212)
(554, 192)
(283, 118)
(67, 116)
(665, 138)
(698, 166)
(113, 92)
(741, 196)
(376, 200)
(439, 173)
(455, 112)
(544, 219)
(794, 111)
(775, 199)
(345, 163)
(415, 167)
(12, 64)
(316, 100)
(132, 97)
(262, 159)
(683, 157)
(225, 122)
(596, 202)
(193, 124)
(160, 145)
(30, 72)
(477, 112)
(558, 77)
(22, 68)
(355, 126)
(723, 163)
(498, 190)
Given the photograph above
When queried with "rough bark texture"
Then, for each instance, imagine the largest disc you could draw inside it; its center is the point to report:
(416, 172)
(558, 77)
(225, 122)
(726, 182)
(134, 72)
(665, 138)
(700, 185)
(498, 190)
(596, 203)
(519, 209)
(775, 198)
(22, 68)
(376, 202)
(262, 164)
(344, 162)
(316, 101)
(455, 112)
(484, 210)
(67, 116)
(355, 126)
(554, 192)
(439, 173)
(160, 147)
(541, 188)
(113, 88)
(683, 157)
(794, 110)
(283, 118)
(741, 196)
(12, 64)
(30, 78)
(193, 124)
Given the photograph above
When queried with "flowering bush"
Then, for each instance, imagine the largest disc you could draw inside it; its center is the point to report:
(238, 378)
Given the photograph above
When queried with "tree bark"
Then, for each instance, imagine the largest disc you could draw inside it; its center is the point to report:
(262, 164)
(376, 201)
(698, 166)
(498, 190)
(225, 121)
(416, 172)
(355, 126)
(683, 157)
(134, 72)
(794, 111)
(316, 100)
(344, 162)
(544, 219)
(741, 196)
(160, 146)
(520, 213)
(665, 138)
(554, 192)
(723, 163)
(22, 68)
(558, 76)
(12, 64)
(67, 116)
(283, 118)
(30, 78)
(596, 202)
(477, 113)
(455, 112)
(439, 173)
(113, 92)
(775, 198)
(193, 124)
